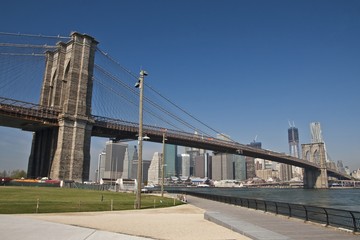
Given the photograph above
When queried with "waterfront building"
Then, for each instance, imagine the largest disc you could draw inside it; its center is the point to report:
(222, 166)
(228, 166)
(145, 170)
(154, 172)
(202, 165)
(250, 162)
(132, 156)
(171, 154)
(113, 161)
(239, 167)
(250, 167)
(185, 165)
(264, 174)
(294, 150)
(193, 153)
(285, 172)
(259, 164)
(101, 166)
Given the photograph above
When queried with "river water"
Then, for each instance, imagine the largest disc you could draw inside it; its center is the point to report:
(346, 199)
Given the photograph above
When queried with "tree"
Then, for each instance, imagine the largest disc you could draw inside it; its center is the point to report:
(3, 173)
(18, 174)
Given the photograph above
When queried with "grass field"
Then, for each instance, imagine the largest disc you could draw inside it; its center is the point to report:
(51, 200)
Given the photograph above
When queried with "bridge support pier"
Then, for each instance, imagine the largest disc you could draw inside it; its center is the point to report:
(42, 150)
(64, 152)
(72, 156)
(315, 178)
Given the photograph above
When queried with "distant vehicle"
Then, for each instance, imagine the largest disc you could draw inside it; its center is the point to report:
(202, 185)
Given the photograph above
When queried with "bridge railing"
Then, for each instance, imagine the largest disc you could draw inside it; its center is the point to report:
(117, 123)
(17, 108)
(328, 216)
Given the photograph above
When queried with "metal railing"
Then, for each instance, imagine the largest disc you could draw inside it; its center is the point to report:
(328, 216)
(27, 110)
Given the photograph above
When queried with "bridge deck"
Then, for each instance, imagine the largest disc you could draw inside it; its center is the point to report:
(31, 117)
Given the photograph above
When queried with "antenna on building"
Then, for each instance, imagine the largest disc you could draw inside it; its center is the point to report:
(291, 125)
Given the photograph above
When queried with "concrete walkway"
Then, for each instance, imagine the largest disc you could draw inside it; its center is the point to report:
(16, 227)
(266, 226)
(181, 222)
(200, 219)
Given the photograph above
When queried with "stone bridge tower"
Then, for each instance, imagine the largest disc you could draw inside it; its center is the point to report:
(315, 152)
(64, 152)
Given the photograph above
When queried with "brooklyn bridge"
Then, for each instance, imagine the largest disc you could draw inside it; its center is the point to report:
(84, 93)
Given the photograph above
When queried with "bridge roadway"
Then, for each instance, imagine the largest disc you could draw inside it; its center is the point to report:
(32, 117)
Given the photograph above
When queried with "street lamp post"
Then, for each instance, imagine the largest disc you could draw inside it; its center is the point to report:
(140, 84)
(162, 165)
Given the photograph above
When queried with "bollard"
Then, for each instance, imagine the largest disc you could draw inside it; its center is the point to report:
(37, 206)
(111, 205)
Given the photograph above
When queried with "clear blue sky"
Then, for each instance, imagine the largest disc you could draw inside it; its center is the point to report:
(244, 67)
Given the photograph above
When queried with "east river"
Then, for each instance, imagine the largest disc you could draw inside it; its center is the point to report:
(344, 198)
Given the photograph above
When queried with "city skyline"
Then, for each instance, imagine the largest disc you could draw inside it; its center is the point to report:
(233, 65)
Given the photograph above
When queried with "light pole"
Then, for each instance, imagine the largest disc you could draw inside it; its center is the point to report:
(140, 84)
(162, 165)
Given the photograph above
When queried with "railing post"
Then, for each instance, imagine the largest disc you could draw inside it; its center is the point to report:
(354, 221)
(306, 213)
(265, 206)
(327, 217)
(289, 209)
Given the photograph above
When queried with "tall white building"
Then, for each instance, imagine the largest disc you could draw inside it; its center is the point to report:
(185, 165)
(101, 166)
(316, 135)
(154, 172)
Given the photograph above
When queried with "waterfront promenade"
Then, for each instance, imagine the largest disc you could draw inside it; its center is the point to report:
(200, 219)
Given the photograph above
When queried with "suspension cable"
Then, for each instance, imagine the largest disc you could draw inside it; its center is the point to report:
(33, 35)
(161, 95)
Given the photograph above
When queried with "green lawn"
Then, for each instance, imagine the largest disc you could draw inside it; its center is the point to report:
(51, 200)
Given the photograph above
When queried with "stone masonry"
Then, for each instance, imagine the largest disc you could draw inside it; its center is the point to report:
(67, 86)
(315, 178)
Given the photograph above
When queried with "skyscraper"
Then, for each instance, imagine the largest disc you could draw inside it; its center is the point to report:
(316, 135)
(154, 172)
(287, 171)
(170, 160)
(293, 137)
(250, 161)
(113, 162)
(185, 165)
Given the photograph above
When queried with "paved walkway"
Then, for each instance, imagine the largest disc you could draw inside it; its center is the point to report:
(181, 222)
(266, 226)
(226, 222)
